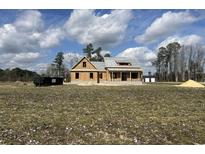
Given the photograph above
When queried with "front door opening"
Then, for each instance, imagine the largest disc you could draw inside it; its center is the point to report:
(124, 76)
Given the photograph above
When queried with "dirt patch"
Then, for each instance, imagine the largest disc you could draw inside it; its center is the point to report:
(192, 84)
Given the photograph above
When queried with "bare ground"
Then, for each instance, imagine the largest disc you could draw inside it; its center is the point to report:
(71, 114)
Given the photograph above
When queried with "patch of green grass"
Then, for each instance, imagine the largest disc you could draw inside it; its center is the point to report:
(70, 114)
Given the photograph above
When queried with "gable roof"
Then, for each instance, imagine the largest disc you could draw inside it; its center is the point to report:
(81, 60)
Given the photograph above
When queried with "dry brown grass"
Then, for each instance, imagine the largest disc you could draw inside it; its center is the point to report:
(69, 114)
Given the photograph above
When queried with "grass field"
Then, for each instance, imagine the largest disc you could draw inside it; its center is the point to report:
(70, 114)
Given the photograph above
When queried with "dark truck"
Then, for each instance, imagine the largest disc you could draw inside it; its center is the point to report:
(48, 81)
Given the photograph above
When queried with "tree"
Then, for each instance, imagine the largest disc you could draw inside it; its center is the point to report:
(59, 62)
(17, 74)
(183, 64)
(196, 60)
(93, 54)
(180, 63)
(88, 51)
(98, 56)
(156, 63)
(173, 51)
(200, 61)
(163, 61)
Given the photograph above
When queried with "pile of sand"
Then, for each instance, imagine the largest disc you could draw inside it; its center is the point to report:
(191, 83)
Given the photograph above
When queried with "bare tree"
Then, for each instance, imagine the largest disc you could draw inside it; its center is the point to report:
(199, 62)
(173, 52)
(193, 61)
(180, 63)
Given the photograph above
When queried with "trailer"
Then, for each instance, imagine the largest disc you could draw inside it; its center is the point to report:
(48, 81)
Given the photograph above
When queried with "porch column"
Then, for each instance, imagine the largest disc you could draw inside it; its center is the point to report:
(130, 76)
(112, 77)
(120, 76)
(139, 74)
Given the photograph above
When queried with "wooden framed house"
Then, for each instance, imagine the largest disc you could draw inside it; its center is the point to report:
(112, 69)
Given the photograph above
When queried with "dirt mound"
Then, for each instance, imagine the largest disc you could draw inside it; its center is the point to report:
(191, 83)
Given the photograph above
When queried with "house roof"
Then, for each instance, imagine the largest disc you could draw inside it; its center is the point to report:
(81, 60)
(112, 62)
(99, 65)
(149, 76)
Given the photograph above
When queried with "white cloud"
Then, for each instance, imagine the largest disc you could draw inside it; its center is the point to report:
(51, 38)
(29, 21)
(28, 57)
(106, 30)
(185, 40)
(142, 55)
(165, 25)
(103, 52)
(5, 58)
(27, 34)
(23, 60)
(13, 41)
(23, 42)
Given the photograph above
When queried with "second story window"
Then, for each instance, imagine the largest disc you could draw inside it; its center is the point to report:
(84, 64)
(128, 64)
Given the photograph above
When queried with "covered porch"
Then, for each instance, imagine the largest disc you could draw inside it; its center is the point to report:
(125, 75)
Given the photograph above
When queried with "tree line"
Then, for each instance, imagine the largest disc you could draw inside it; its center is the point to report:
(177, 62)
(17, 74)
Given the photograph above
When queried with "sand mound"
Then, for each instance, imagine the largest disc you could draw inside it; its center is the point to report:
(191, 83)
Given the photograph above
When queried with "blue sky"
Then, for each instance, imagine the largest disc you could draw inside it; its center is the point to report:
(30, 39)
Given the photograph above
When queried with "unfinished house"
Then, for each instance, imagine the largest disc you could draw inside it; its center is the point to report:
(113, 69)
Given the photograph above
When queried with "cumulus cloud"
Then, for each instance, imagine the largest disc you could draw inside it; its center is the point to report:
(165, 25)
(26, 57)
(11, 60)
(142, 55)
(30, 21)
(103, 52)
(107, 30)
(51, 38)
(13, 41)
(23, 41)
(185, 40)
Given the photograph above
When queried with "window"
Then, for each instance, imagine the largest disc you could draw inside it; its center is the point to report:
(122, 63)
(91, 75)
(84, 64)
(76, 75)
(134, 75)
(53, 81)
